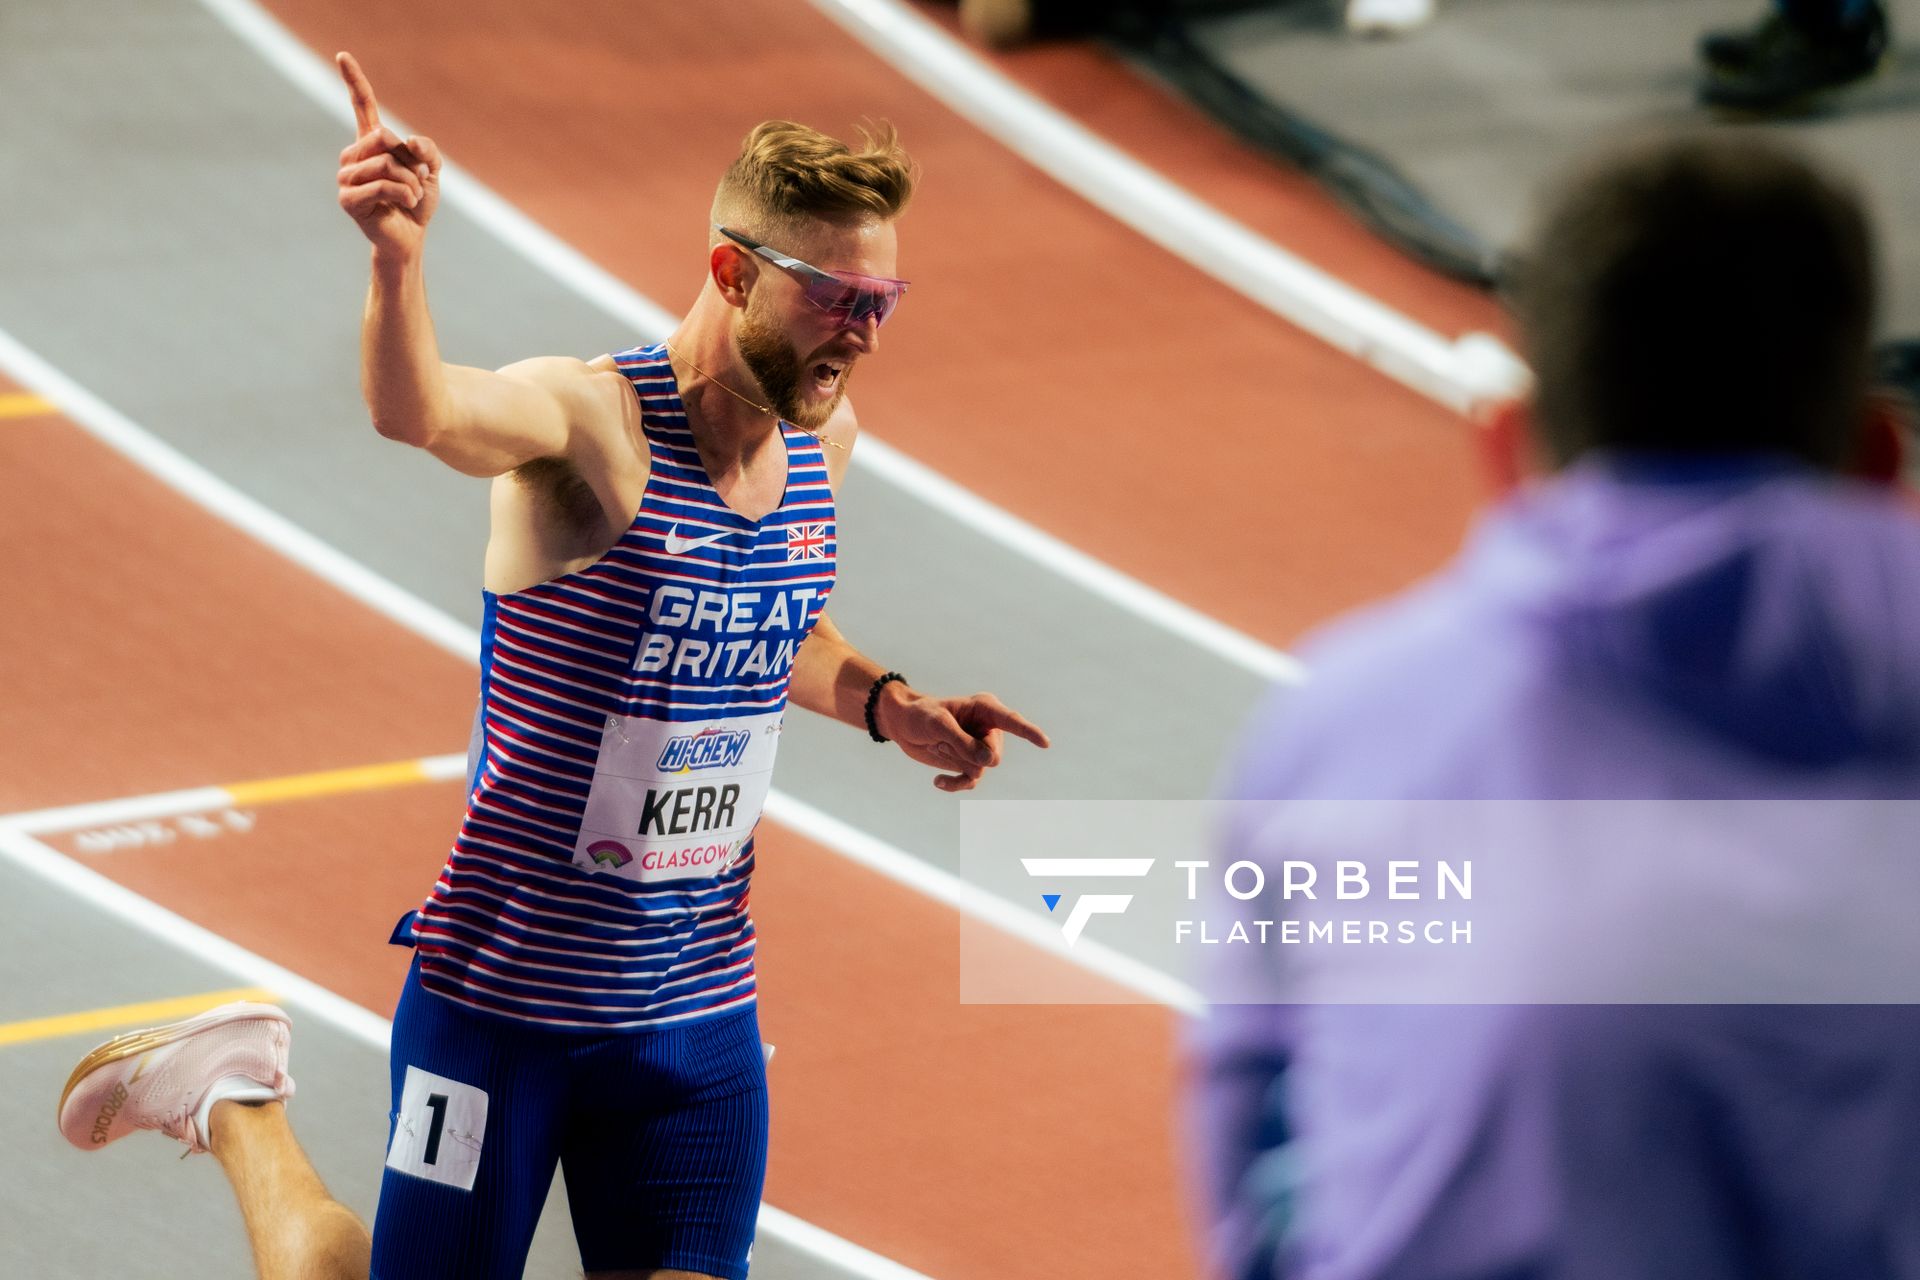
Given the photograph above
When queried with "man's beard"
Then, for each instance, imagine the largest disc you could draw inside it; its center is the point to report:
(776, 365)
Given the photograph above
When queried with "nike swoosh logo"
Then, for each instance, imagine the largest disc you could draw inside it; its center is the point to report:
(677, 545)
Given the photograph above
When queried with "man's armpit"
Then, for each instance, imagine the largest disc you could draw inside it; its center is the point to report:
(562, 491)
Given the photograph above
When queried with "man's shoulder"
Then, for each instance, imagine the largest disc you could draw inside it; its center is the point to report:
(594, 393)
(556, 372)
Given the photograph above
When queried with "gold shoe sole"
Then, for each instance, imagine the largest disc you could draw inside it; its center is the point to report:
(130, 1043)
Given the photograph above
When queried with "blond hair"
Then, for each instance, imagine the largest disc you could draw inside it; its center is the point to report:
(788, 175)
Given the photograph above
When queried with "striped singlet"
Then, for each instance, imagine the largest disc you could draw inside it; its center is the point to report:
(630, 713)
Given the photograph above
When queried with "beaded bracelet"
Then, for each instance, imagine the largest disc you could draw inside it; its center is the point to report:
(873, 701)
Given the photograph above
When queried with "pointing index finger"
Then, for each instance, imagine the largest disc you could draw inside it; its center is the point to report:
(1001, 717)
(366, 111)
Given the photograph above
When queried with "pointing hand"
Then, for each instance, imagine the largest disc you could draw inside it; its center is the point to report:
(388, 186)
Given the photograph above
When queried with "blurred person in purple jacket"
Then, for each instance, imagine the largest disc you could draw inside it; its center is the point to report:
(1700, 584)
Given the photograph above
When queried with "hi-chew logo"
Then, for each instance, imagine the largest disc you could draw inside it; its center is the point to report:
(707, 749)
(1087, 905)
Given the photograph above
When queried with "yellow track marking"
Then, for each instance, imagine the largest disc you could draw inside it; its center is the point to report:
(331, 782)
(125, 1015)
(18, 404)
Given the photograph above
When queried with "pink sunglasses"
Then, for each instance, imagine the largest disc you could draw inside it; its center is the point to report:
(850, 299)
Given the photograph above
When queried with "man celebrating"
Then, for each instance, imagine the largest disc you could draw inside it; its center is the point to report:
(662, 548)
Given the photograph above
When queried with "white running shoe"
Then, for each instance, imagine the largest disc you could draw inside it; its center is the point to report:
(169, 1077)
(1387, 17)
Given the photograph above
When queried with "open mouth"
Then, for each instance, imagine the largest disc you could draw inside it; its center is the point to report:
(827, 375)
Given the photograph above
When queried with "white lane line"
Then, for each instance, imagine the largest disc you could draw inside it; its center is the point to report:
(315, 77)
(1130, 594)
(172, 804)
(106, 813)
(360, 1023)
(854, 845)
(1456, 373)
(393, 601)
(802, 1235)
(211, 492)
(201, 943)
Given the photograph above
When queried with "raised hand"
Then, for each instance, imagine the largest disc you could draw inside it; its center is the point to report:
(389, 187)
(960, 735)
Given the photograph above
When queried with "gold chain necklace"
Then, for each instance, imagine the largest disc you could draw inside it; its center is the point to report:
(754, 405)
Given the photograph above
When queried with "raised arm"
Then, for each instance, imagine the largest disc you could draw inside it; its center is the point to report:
(478, 422)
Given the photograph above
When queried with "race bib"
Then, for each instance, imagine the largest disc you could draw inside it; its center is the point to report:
(675, 801)
(438, 1130)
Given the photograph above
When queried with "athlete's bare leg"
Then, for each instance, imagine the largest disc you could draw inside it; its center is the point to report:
(655, 1274)
(297, 1230)
(218, 1082)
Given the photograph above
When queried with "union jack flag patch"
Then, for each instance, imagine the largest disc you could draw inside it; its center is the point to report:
(806, 542)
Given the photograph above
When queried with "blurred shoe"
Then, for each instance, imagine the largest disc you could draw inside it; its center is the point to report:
(1387, 17)
(999, 24)
(168, 1078)
(1736, 48)
(1777, 65)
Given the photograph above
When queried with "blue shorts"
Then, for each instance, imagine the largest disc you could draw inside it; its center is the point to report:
(662, 1135)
